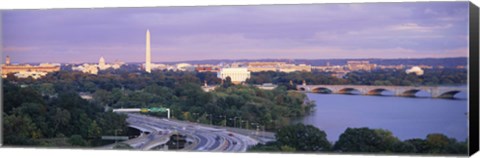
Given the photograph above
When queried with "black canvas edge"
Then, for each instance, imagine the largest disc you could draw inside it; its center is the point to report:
(1, 80)
(473, 80)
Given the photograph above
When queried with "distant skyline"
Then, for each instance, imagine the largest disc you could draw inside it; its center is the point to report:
(316, 31)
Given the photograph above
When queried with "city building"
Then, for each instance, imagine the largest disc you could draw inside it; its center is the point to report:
(87, 68)
(267, 86)
(416, 70)
(117, 64)
(398, 67)
(94, 68)
(7, 60)
(263, 66)
(26, 70)
(185, 67)
(237, 75)
(425, 66)
(33, 74)
(460, 67)
(206, 69)
(329, 68)
(237, 64)
(85, 95)
(360, 65)
(102, 65)
(339, 74)
(163, 67)
(207, 88)
(292, 67)
(277, 66)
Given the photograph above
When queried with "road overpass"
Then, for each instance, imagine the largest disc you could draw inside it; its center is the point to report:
(404, 91)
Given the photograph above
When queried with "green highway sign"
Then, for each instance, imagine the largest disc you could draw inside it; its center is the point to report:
(155, 109)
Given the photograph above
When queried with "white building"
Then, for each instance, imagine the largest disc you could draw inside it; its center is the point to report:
(102, 65)
(417, 70)
(185, 67)
(117, 64)
(237, 75)
(34, 74)
(94, 68)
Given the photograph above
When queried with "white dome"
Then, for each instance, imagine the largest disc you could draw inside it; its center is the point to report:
(417, 70)
(101, 61)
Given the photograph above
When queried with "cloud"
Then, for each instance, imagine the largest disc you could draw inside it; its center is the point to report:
(417, 28)
(237, 31)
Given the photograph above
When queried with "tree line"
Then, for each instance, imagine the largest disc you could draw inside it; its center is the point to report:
(307, 138)
(431, 77)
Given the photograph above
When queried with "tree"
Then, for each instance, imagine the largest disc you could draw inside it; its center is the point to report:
(94, 130)
(186, 116)
(18, 130)
(77, 140)
(358, 140)
(60, 118)
(388, 143)
(303, 138)
(103, 97)
(437, 143)
(419, 145)
(228, 82)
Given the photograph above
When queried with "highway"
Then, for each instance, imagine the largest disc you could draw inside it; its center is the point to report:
(202, 137)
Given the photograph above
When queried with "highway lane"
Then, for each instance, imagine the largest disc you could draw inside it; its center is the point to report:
(206, 138)
(139, 141)
(202, 142)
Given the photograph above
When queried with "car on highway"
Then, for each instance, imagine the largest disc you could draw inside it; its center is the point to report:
(230, 134)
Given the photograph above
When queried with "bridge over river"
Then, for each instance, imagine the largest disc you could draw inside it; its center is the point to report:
(404, 91)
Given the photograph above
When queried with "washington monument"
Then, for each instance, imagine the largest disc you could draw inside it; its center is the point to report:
(148, 58)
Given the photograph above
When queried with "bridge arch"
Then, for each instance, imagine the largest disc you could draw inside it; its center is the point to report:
(301, 89)
(322, 90)
(348, 90)
(378, 91)
(414, 93)
(449, 94)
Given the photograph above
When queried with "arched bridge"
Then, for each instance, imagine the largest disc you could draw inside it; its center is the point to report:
(405, 91)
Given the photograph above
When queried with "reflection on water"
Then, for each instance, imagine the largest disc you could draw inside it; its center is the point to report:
(406, 117)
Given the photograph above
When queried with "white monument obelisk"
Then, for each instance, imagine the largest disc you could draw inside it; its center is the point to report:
(148, 60)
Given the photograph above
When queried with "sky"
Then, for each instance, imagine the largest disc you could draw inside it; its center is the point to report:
(304, 31)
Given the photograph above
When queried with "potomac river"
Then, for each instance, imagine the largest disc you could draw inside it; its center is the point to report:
(405, 117)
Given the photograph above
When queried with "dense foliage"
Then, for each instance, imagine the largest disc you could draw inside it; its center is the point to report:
(229, 105)
(61, 118)
(359, 140)
(303, 138)
(375, 77)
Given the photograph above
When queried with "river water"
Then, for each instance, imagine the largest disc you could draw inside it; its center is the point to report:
(405, 117)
